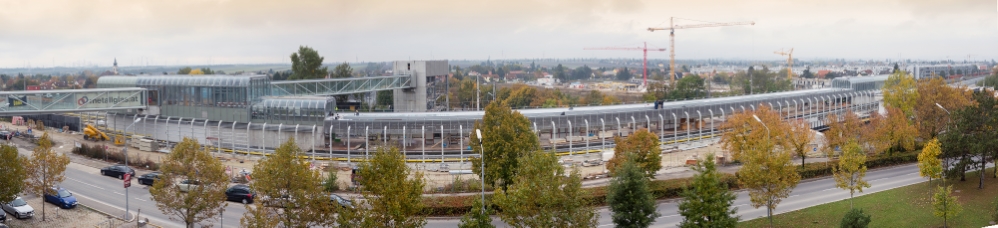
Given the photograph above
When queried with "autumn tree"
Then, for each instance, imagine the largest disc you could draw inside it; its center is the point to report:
(643, 146)
(798, 138)
(196, 72)
(14, 173)
(707, 201)
(841, 129)
(204, 201)
(851, 169)
(758, 139)
(544, 196)
(45, 168)
(629, 196)
(945, 205)
(307, 64)
(392, 193)
(506, 136)
(290, 192)
(895, 133)
(929, 164)
(930, 119)
(900, 92)
(744, 134)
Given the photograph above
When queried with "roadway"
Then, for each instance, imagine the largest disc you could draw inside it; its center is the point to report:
(108, 194)
(807, 193)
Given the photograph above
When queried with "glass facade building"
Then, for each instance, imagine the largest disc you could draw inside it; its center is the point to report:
(221, 97)
(293, 110)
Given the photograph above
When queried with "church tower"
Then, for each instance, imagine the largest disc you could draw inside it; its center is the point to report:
(115, 68)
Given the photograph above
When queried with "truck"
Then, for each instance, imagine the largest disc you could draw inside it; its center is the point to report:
(91, 133)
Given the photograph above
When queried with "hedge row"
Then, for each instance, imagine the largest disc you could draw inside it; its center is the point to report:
(662, 189)
(98, 152)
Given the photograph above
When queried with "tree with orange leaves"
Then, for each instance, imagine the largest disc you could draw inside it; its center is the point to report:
(644, 149)
(930, 119)
(798, 138)
(760, 140)
(840, 130)
(892, 133)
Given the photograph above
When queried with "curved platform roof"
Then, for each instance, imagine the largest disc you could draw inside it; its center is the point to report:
(178, 80)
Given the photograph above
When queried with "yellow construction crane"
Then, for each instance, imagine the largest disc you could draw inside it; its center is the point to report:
(672, 39)
(790, 62)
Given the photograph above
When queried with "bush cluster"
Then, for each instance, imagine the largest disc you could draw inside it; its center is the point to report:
(98, 152)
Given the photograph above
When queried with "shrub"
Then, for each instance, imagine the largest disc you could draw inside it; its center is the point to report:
(98, 152)
(330, 184)
(855, 218)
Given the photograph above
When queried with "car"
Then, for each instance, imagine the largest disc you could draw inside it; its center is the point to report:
(187, 185)
(117, 171)
(279, 202)
(338, 200)
(6, 135)
(19, 208)
(3, 218)
(239, 193)
(60, 196)
(149, 178)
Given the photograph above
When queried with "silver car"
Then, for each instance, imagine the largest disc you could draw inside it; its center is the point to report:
(19, 208)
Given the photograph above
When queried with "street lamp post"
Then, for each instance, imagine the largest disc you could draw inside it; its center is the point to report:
(768, 210)
(478, 132)
(125, 151)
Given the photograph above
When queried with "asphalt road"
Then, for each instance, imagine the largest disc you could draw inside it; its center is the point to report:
(806, 194)
(108, 194)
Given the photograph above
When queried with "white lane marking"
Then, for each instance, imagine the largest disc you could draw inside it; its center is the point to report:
(829, 189)
(141, 200)
(739, 205)
(669, 216)
(118, 193)
(88, 184)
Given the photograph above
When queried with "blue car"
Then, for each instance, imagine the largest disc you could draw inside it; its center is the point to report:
(60, 196)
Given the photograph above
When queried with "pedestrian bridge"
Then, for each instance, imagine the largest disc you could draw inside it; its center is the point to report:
(74, 100)
(339, 86)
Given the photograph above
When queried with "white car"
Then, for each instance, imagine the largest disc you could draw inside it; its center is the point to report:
(187, 185)
(19, 208)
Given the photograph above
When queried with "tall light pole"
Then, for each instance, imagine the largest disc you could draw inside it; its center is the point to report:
(482, 158)
(768, 210)
(125, 151)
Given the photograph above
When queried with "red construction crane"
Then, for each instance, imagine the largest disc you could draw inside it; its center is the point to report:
(644, 62)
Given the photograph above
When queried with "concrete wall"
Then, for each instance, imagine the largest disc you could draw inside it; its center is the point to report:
(415, 99)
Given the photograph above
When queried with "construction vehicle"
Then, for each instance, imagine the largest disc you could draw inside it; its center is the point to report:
(91, 133)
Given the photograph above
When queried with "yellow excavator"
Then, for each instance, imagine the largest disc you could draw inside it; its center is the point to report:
(91, 133)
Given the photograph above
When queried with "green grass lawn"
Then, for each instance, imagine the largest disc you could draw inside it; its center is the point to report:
(909, 206)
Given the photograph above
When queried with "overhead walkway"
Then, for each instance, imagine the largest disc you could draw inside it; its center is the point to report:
(74, 100)
(339, 86)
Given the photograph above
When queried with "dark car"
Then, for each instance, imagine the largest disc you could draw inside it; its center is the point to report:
(117, 171)
(239, 193)
(149, 178)
(6, 135)
(61, 197)
(338, 200)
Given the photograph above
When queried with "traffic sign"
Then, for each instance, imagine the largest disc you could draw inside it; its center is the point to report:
(128, 180)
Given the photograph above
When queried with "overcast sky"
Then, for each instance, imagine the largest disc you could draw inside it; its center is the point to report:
(41, 33)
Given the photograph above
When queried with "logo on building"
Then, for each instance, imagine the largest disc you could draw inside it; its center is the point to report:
(83, 100)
